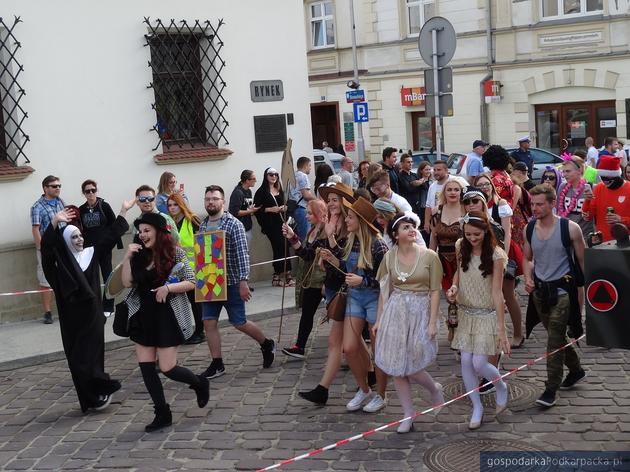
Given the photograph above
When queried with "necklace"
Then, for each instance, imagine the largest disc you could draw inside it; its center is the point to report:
(574, 198)
(400, 275)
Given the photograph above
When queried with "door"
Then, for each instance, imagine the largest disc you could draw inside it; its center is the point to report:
(565, 126)
(325, 124)
(422, 131)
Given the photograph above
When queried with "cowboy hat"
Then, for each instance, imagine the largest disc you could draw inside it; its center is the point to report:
(338, 188)
(364, 210)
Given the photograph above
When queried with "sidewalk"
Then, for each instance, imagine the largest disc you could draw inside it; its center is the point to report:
(32, 342)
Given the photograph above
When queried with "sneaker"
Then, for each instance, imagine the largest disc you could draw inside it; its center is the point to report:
(357, 401)
(108, 313)
(102, 402)
(377, 403)
(214, 371)
(319, 395)
(48, 319)
(487, 389)
(548, 398)
(294, 351)
(268, 348)
(572, 378)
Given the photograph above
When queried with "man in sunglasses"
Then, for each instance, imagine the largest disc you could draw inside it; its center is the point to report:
(612, 193)
(42, 213)
(145, 199)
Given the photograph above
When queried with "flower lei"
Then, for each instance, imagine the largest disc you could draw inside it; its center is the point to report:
(573, 202)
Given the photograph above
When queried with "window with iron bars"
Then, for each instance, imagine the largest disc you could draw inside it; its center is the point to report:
(13, 139)
(187, 84)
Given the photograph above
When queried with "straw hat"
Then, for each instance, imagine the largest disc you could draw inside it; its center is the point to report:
(364, 210)
(114, 285)
(338, 188)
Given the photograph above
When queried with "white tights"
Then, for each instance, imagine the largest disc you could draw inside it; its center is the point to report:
(473, 366)
(403, 389)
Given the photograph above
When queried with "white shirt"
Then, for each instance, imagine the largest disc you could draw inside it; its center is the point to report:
(400, 201)
(435, 189)
(592, 156)
(346, 178)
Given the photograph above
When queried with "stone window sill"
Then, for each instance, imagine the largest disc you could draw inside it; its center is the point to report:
(11, 173)
(183, 156)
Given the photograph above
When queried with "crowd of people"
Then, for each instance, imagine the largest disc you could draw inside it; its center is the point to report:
(381, 248)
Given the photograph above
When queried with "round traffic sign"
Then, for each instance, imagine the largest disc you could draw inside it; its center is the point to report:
(602, 295)
(446, 41)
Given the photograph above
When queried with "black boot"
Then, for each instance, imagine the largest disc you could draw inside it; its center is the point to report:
(163, 418)
(202, 390)
(319, 395)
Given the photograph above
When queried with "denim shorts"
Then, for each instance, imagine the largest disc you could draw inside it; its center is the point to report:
(362, 303)
(234, 306)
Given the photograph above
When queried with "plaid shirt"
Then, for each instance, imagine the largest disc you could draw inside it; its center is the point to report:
(43, 211)
(236, 250)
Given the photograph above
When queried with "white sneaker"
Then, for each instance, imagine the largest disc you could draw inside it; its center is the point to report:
(108, 313)
(377, 403)
(357, 401)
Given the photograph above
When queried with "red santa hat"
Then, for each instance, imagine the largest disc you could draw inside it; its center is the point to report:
(609, 166)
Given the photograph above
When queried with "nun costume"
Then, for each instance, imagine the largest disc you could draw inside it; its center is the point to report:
(73, 273)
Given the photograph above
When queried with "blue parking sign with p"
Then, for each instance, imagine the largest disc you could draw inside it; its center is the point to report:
(361, 112)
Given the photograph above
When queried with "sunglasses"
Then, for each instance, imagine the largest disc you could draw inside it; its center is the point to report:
(145, 199)
(273, 175)
(468, 201)
(89, 190)
(549, 177)
(54, 186)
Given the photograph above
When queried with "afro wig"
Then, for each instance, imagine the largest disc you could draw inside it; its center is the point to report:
(496, 158)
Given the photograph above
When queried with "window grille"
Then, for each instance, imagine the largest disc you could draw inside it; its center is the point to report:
(13, 139)
(187, 83)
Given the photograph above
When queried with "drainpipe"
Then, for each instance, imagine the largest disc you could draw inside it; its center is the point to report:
(483, 107)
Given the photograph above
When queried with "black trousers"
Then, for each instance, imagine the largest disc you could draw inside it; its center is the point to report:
(105, 263)
(311, 297)
(277, 241)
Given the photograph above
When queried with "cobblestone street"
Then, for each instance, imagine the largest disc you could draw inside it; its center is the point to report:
(255, 417)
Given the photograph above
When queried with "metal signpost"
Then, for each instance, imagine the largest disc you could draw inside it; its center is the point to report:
(436, 43)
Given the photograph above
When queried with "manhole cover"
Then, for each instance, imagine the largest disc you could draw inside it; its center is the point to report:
(463, 456)
(522, 396)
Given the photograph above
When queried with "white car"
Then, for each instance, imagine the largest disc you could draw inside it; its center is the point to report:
(331, 158)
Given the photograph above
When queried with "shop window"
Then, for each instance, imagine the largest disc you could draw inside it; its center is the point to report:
(322, 25)
(13, 139)
(187, 84)
(418, 12)
(553, 9)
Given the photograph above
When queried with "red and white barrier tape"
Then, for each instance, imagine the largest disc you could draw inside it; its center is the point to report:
(41, 290)
(415, 415)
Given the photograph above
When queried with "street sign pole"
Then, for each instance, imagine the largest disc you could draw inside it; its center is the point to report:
(360, 144)
(436, 95)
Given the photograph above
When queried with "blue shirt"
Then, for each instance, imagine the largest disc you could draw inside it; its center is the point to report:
(524, 156)
(43, 211)
(236, 251)
(301, 183)
(474, 166)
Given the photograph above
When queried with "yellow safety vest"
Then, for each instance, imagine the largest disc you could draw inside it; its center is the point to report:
(187, 241)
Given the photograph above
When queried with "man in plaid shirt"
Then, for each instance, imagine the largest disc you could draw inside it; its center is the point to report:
(237, 265)
(42, 213)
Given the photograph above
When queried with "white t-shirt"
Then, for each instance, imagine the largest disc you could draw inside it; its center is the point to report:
(592, 155)
(346, 178)
(400, 201)
(433, 194)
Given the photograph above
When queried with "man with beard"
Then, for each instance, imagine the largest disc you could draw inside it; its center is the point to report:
(612, 193)
(238, 292)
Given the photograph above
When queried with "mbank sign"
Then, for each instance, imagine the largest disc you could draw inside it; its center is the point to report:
(412, 96)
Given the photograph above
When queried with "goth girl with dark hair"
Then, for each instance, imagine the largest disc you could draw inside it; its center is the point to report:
(481, 322)
(160, 316)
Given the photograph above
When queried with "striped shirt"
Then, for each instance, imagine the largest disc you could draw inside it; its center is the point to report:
(236, 250)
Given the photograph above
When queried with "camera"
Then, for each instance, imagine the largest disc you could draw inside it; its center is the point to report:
(291, 221)
(353, 84)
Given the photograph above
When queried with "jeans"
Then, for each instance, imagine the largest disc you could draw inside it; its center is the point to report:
(301, 221)
(554, 319)
(234, 306)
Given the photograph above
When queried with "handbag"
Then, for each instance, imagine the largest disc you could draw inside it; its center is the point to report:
(292, 206)
(121, 319)
(336, 309)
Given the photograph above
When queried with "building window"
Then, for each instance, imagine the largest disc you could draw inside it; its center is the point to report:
(418, 11)
(552, 9)
(187, 84)
(322, 25)
(13, 139)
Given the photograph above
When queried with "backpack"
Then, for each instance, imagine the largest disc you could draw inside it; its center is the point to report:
(576, 270)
